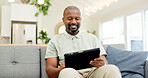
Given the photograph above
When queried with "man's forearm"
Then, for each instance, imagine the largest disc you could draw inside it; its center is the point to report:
(53, 72)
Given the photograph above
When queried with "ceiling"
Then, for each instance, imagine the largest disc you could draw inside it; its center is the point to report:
(115, 6)
(82, 4)
(89, 7)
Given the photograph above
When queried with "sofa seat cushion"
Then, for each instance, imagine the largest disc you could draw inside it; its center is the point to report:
(131, 64)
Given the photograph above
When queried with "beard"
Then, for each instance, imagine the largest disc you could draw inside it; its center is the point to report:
(73, 31)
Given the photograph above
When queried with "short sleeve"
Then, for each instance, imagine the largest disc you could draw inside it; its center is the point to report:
(97, 44)
(51, 50)
(103, 52)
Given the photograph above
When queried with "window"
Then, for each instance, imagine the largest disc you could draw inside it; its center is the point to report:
(112, 31)
(107, 32)
(146, 27)
(134, 30)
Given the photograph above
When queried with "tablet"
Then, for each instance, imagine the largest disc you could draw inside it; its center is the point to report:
(81, 59)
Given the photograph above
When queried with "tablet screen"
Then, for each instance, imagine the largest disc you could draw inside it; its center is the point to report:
(81, 59)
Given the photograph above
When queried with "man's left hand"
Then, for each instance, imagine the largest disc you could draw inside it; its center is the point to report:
(98, 62)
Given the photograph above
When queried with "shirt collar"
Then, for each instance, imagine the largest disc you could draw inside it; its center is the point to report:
(71, 36)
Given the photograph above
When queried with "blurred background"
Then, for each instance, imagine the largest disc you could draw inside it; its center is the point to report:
(112, 21)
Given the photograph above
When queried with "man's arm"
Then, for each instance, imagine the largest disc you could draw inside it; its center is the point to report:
(52, 69)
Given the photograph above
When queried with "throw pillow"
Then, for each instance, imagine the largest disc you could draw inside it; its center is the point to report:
(129, 62)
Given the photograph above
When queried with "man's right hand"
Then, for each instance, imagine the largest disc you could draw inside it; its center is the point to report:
(52, 68)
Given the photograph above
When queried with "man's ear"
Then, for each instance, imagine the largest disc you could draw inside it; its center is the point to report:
(63, 19)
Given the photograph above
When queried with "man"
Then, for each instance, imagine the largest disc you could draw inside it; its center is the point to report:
(74, 40)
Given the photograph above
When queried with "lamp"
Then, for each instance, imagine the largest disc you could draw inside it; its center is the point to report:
(40, 1)
(11, 0)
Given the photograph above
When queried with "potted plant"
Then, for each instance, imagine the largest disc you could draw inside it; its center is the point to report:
(43, 37)
(41, 7)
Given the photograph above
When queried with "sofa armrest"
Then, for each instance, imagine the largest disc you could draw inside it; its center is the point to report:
(146, 69)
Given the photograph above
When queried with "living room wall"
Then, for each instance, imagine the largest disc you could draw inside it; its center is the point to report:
(4, 40)
(55, 15)
(50, 21)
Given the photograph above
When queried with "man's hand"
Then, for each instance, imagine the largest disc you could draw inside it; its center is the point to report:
(52, 68)
(99, 62)
(62, 66)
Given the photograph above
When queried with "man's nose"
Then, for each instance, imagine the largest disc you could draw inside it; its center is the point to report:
(74, 21)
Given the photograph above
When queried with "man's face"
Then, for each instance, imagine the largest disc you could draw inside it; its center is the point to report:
(72, 21)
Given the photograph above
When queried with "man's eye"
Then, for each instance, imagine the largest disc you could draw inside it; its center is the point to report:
(77, 18)
(69, 18)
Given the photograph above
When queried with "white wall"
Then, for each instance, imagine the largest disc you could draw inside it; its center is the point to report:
(55, 15)
(5, 40)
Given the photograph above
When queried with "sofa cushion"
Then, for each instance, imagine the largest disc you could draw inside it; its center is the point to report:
(26, 54)
(26, 71)
(19, 61)
(28, 61)
(130, 63)
(6, 57)
(6, 54)
(6, 70)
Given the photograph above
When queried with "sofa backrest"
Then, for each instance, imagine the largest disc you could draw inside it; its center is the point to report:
(120, 46)
(25, 61)
(19, 61)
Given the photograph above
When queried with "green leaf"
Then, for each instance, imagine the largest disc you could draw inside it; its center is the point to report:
(46, 8)
(43, 36)
(45, 13)
(48, 3)
(41, 7)
(33, 1)
(47, 40)
(36, 14)
(40, 10)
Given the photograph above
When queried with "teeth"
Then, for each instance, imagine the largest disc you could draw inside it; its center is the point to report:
(73, 26)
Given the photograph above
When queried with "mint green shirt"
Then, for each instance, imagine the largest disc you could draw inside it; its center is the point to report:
(66, 43)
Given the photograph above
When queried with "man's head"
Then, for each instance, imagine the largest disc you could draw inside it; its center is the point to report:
(72, 19)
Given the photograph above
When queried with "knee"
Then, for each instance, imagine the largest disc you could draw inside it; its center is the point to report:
(67, 71)
(109, 68)
(107, 71)
(113, 72)
(112, 67)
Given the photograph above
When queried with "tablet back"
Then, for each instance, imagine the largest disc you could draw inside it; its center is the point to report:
(81, 60)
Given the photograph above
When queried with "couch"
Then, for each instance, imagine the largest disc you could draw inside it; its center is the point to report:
(27, 61)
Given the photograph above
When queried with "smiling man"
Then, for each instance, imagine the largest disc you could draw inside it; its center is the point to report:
(72, 20)
(73, 40)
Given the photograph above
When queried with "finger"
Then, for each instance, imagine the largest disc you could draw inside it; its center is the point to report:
(62, 64)
(99, 59)
(97, 63)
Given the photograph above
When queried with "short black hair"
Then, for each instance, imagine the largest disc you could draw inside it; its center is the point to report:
(70, 8)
